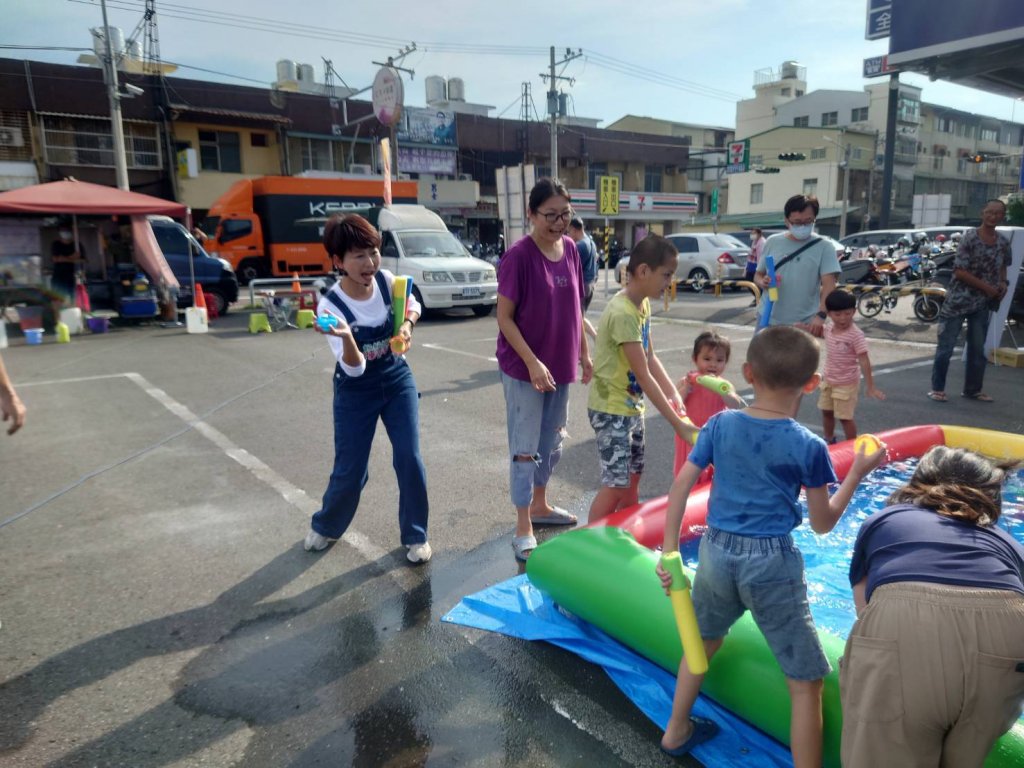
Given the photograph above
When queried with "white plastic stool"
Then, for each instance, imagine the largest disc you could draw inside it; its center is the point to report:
(72, 318)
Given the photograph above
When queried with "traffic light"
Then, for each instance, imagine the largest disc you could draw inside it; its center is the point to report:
(771, 169)
(792, 156)
(981, 157)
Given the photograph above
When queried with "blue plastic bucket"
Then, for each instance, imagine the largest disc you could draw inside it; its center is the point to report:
(34, 335)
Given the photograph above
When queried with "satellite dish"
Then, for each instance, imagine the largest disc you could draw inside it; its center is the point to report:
(277, 97)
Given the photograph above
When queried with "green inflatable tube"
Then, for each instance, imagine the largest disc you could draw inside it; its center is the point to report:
(605, 577)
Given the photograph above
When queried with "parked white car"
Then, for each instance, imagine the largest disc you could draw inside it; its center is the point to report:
(415, 242)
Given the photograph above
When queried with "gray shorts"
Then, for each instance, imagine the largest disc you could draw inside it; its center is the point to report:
(620, 443)
(765, 576)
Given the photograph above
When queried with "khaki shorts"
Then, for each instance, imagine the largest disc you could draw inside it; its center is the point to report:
(932, 675)
(839, 398)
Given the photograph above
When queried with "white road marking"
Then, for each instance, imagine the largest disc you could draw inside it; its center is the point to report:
(489, 359)
(295, 496)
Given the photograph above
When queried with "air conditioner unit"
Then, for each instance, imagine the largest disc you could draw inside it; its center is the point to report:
(403, 177)
(363, 168)
(11, 137)
(465, 177)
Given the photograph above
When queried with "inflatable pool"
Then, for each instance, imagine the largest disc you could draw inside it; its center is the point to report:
(605, 575)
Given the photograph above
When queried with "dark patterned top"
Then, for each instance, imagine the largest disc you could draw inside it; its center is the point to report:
(986, 262)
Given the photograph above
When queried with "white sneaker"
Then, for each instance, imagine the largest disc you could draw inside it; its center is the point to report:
(418, 553)
(315, 542)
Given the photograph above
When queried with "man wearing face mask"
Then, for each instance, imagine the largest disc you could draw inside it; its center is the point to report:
(806, 268)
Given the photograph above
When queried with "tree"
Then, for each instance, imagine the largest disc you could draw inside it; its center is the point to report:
(1015, 210)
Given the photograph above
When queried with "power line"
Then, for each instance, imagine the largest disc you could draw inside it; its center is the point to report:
(278, 26)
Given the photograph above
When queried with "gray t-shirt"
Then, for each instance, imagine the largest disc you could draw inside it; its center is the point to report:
(800, 278)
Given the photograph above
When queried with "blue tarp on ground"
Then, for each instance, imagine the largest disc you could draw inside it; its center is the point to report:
(516, 608)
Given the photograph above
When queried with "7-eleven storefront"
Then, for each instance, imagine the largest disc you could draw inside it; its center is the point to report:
(640, 213)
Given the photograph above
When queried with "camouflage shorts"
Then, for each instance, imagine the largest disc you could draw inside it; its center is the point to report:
(620, 443)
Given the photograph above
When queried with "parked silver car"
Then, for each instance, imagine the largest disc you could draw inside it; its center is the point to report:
(705, 256)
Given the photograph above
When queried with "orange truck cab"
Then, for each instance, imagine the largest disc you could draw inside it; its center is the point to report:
(273, 226)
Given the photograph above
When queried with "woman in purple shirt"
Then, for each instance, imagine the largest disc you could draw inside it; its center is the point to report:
(933, 671)
(540, 344)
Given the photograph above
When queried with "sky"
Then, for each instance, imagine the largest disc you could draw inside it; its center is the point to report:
(682, 60)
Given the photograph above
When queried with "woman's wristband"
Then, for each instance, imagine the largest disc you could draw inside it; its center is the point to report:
(410, 322)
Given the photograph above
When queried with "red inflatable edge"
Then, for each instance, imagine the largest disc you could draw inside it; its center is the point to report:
(646, 521)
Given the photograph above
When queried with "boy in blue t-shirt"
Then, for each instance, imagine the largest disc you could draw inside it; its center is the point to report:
(747, 558)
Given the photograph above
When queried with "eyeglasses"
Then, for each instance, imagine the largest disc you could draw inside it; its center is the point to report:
(805, 222)
(551, 217)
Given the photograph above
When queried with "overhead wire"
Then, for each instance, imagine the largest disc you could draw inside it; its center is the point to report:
(198, 14)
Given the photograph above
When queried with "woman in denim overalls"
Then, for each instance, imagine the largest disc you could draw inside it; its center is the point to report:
(370, 382)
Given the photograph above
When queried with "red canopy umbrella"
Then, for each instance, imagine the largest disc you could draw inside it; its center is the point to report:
(81, 197)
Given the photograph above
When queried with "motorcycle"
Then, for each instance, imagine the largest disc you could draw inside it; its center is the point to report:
(927, 302)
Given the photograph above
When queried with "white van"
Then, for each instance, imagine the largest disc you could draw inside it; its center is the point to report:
(416, 242)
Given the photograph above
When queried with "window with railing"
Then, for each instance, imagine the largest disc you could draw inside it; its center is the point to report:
(756, 193)
(859, 115)
(988, 134)
(829, 118)
(810, 187)
(818, 153)
(86, 141)
(801, 122)
(15, 138)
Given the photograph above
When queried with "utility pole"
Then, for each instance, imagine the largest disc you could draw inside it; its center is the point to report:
(524, 114)
(866, 219)
(846, 189)
(556, 104)
(120, 163)
(890, 150)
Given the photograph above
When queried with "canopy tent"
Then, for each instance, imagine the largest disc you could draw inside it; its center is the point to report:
(80, 197)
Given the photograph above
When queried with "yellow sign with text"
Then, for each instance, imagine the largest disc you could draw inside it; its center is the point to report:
(608, 195)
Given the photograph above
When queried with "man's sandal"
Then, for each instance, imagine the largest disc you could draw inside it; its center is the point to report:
(938, 397)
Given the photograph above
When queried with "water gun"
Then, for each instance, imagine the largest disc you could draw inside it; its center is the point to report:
(686, 420)
(714, 383)
(686, 619)
(771, 295)
(326, 322)
(401, 290)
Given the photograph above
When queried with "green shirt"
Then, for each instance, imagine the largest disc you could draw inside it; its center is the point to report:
(614, 388)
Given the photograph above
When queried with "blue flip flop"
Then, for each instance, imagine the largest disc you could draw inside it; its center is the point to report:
(703, 730)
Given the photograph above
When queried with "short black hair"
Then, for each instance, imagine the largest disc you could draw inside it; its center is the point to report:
(576, 223)
(783, 357)
(653, 250)
(839, 300)
(544, 190)
(798, 203)
(711, 340)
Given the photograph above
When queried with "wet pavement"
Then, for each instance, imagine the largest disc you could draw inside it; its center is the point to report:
(157, 607)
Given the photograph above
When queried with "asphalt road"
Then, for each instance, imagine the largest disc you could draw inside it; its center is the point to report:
(157, 607)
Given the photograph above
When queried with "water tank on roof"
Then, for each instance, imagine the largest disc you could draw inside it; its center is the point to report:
(286, 70)
(306, 73)
(456, 89)
(790, 69)
(135, 50)
(99, 43)
(437, 89)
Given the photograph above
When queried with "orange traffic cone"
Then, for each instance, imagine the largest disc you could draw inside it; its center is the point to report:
(296, 285)
(199, 300)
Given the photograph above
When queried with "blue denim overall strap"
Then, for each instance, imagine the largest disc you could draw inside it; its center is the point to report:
(373, 341)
